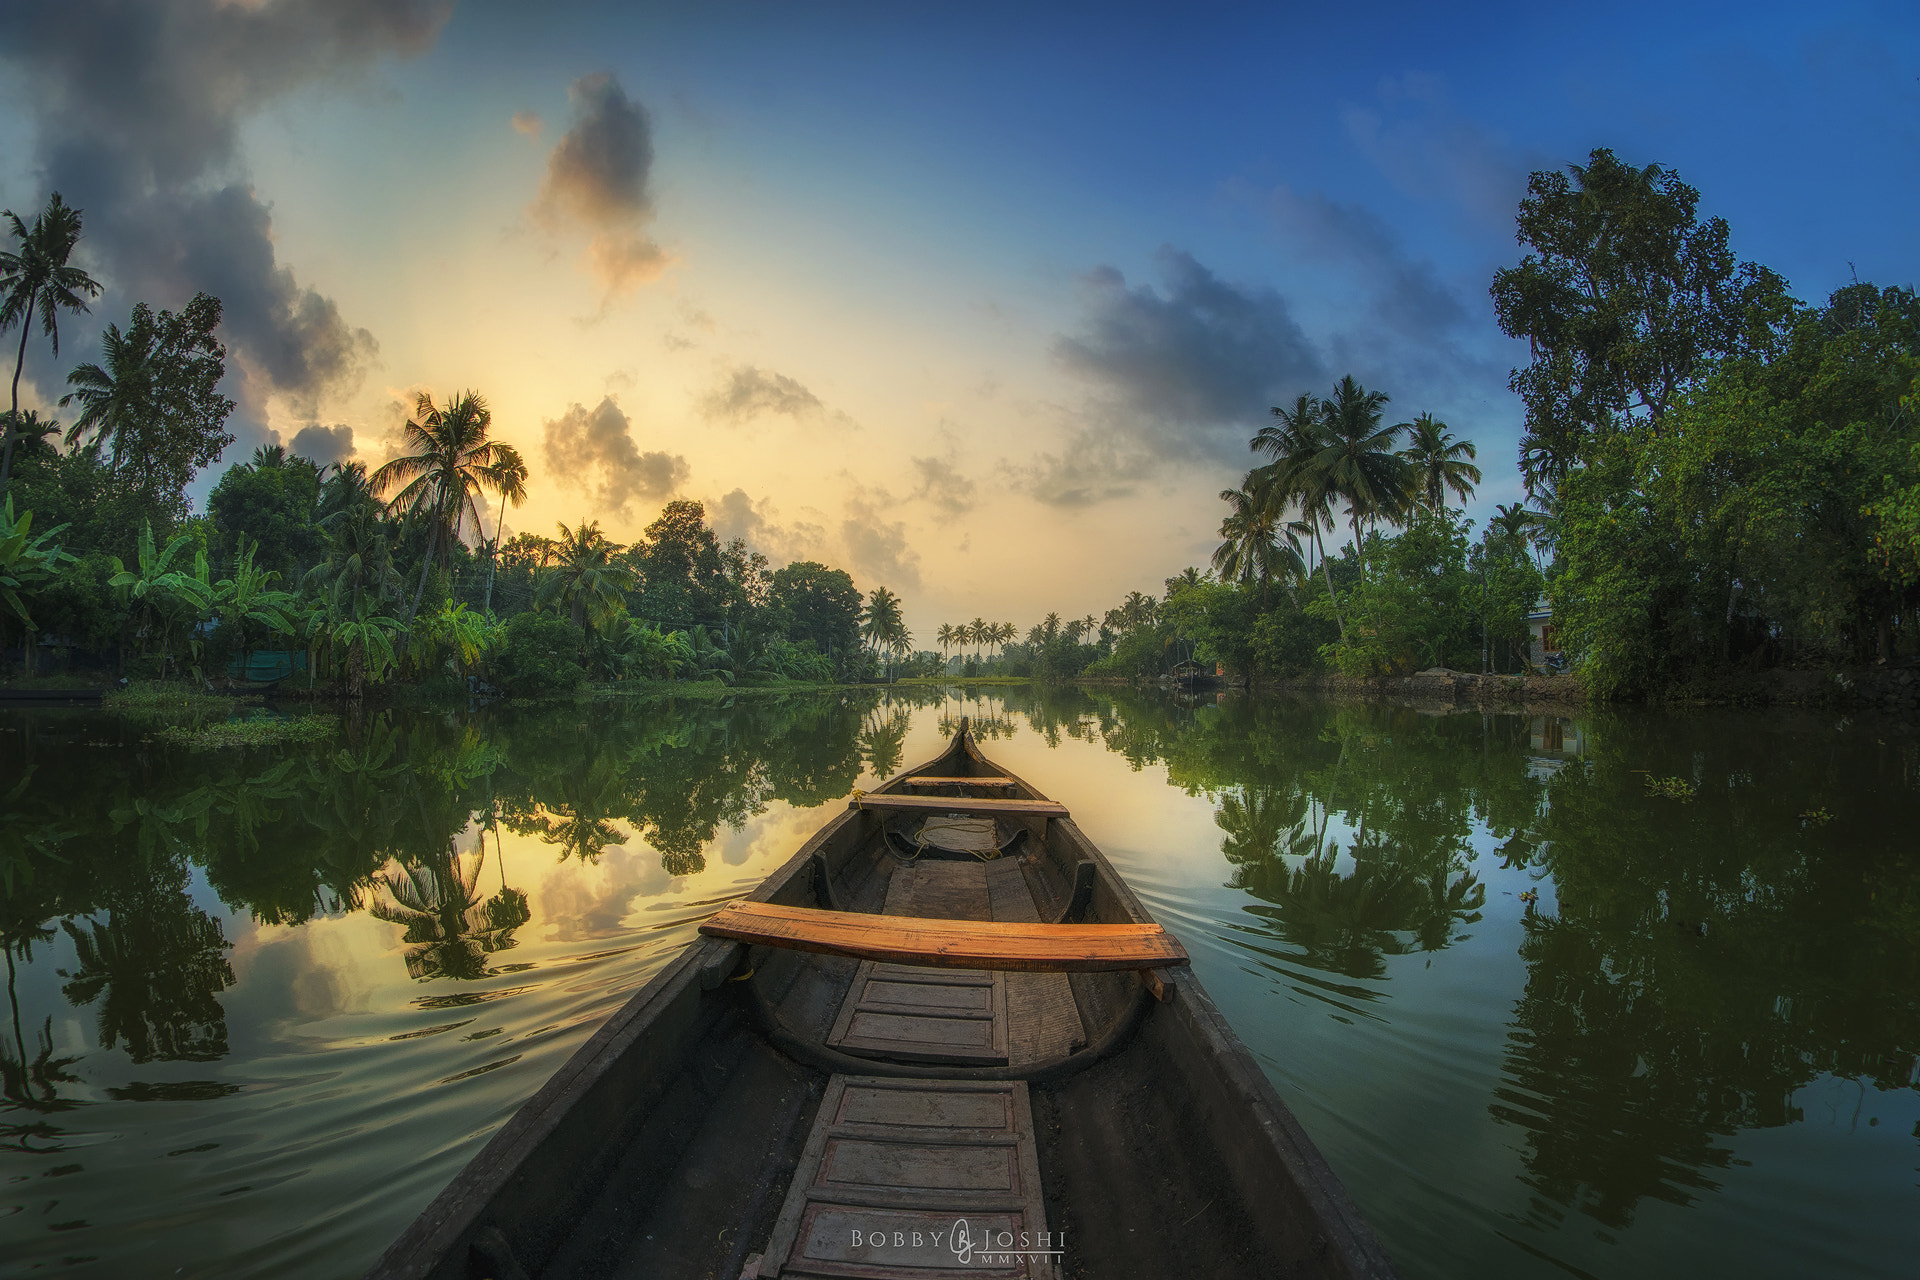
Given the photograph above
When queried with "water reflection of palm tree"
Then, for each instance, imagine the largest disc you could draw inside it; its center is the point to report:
(157, 965)
(883, 741)
(450, 928)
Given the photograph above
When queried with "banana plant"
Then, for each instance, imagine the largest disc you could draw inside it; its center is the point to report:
(160, 592)
(368, 637)
(248, 600)
(456, 632)
(25, 560)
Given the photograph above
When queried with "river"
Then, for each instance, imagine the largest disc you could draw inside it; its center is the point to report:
(1629, 995)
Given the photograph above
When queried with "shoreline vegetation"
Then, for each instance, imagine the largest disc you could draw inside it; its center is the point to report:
(1723, 504)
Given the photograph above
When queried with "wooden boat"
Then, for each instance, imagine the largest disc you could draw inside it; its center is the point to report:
(944, 1039)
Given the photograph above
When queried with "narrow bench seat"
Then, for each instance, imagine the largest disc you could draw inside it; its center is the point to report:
(930, 780)
(960, 804)
(948, 944)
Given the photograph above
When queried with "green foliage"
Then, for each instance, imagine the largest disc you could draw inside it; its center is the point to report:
(154, 404)
(538, 653)
(816, 604)
(272, 503)
(27, 562)
(1624, 296)
(1674, 788)
(1760, 524)
(258, 730)
(1417, 607)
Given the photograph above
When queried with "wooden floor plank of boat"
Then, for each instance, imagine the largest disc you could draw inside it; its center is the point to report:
(892, 1168)
(958, 1016)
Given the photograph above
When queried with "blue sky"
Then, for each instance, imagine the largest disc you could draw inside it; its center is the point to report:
(927, 292)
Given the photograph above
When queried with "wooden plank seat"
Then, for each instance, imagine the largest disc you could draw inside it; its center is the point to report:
(948, 944)
(931, 780)
(959, 804)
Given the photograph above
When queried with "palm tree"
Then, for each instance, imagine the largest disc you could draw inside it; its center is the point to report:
(1294, 441)
(1439, 461)
(1002, 633)
(450, 462)
(1515, 521)
(119, 397)
(980, 631)
(508, 478)
(1357, 461)
(881, 624)
(1253, 550)
(36, 277)
(587, 576)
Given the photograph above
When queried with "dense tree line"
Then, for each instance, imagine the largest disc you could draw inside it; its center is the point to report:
(371, 577)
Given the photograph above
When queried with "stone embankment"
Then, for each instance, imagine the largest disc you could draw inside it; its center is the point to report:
(1461, 688)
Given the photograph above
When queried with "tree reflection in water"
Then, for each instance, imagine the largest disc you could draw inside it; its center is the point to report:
(1359, 835)
(450, 927)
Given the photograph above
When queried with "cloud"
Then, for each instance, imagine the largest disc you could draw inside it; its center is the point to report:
(1181, 374)
(861, 539)
(1427, 149)
(1090, 470)
(526, 124)
(876, 548)
(324, 445)
(597, 178)
(942, 485)
(137, 115)
(1189, 364)
(746, 392)
(594, 451)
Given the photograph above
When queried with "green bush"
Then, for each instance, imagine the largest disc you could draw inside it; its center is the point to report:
(538, 654)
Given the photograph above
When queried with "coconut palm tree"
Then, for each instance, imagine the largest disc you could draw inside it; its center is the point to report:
(881, 624)
(946, 636)
(587, 577)
(450, 461)
(508, 478)
(35, 277)
(1003, 633)
(1524, 526)
(1257, 546)
(1439, 461)
(1294, 441)
(120, 396)
(1357, 461)
(980, 631)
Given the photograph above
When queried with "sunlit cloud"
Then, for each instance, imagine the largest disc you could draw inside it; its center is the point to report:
(593, 450)
(746, 392)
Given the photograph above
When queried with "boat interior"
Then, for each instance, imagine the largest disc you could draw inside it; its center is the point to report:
(884, 1109)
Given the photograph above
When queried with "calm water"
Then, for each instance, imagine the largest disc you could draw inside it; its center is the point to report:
(264, 1003)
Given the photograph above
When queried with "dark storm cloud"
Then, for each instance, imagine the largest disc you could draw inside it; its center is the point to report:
(1182, 373)
(597, 177)
(1195, 363)
(324, 445)
(747, 392)
(138, 109)
(594, 450)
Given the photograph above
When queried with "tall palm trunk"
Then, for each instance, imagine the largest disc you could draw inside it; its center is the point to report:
(1327, 573)
(426, 567)
(493, 561)
(13, 421)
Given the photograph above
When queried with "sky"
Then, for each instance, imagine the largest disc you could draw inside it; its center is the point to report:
(981, 303)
